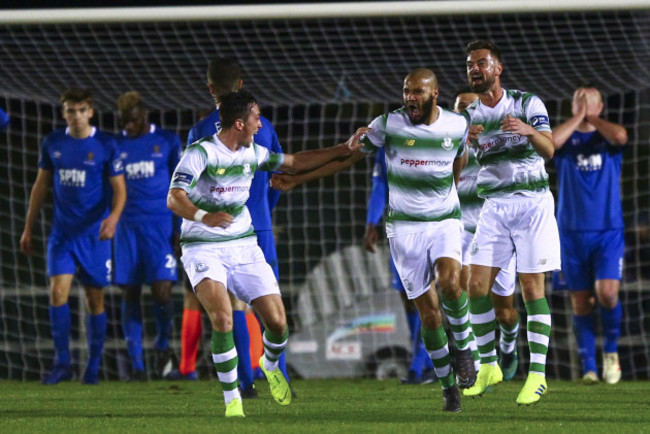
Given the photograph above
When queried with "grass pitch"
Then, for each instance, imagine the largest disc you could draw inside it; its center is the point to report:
(358, 406)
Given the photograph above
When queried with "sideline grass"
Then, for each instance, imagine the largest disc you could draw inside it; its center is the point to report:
(359, 406)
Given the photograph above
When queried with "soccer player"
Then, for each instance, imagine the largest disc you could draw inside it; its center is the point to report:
(514, 138)
(143, 250)
(503, 291)
(425, 152)
(83, 167)
(223, 76)
(588, 158)
(421, 367)
(209, 190)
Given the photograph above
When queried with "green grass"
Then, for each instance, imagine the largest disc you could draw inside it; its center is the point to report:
(358, 406)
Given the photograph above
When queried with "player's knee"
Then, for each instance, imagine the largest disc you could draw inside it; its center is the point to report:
(162, 291)
(431, 319)
(276, 322)
(221, 321)
(95, 302)
(608, 300)
(58, 295)
(475, 287)
(505, 316)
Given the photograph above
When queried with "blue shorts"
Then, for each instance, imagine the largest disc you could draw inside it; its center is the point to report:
(83, 253)
(267, 243)
(591, 255)
(143, 253)
(395, 281)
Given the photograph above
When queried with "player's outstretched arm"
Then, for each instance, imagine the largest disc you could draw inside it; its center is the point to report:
(286, 182)
(180, 204)
(36, 200)
(108, 225)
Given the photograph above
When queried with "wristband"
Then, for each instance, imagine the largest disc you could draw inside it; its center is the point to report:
(198, 215)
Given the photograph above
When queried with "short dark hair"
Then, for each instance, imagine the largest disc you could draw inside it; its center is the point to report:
(77, 95)
(224, 74)
(461, 90)
(481, 44)
(235, 105)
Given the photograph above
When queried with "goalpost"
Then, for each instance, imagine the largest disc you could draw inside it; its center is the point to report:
(320, 71)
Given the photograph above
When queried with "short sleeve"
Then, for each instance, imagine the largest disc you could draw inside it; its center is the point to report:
(189, 168)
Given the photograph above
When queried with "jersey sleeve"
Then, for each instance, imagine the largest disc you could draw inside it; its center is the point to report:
(191, 137)
(189, 168)
(273, 194)
(116, 164)
(537, 115)
(44, 160)
(377, 199)
(376, 137)
(266, 160)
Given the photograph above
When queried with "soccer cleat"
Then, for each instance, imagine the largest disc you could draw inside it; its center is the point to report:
(235, 409)
(428, 376)
(58, 374)
(90, 378)
(164, 363)
(509, 362)
(590, 378)
(175, 375)
(487, 376)
(611, 368)
(278, 384)
(533, 390)
(249, 393)
(411, 378)
(465, 373)
(451, 398)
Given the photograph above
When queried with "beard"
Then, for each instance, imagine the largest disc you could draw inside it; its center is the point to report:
(483, 86)
(427, 108)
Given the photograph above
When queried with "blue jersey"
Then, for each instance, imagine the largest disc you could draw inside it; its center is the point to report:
(81, 170)
(379, 192)
(589, 169)
(4, 119)
(149, 161)
(262, 198)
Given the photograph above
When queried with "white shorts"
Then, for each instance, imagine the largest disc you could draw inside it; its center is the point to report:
(241, 269)
(415, 254)
(520, 225)
(504, 283)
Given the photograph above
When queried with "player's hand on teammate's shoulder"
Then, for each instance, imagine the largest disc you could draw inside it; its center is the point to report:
(283, 182)
(218, 219)
(354, 142)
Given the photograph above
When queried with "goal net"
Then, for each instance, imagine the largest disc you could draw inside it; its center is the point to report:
(318, 79)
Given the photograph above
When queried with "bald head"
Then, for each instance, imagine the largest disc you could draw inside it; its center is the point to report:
(424, 75)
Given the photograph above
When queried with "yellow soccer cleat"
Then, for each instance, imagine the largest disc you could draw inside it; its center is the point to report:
(235, 409)
(533, 390)
(487, 376)
(278, 384)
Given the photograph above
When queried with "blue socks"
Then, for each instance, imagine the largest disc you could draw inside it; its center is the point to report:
(585, 330)
(611, 322)
(60, 326)
(132, 329)
(96, 330)
(164, 316)
(242, 345)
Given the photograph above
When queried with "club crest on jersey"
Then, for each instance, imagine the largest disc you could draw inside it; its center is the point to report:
(247, 169)
(409, 142)
(156, 152)
(201, 267)
(56, 154)
(90, 159)
(473, 250)
(447, 143)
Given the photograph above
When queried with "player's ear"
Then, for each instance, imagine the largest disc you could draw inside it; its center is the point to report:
(239, 124)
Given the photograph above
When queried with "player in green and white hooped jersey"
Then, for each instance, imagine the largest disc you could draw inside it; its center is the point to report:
(425, 152)
(503, 290)
(209, 190)
(517, 216)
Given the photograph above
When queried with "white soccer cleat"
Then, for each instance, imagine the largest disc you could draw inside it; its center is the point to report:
(590, 378)
(611, 368)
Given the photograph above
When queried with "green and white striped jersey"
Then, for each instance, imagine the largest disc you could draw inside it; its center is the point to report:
(218, 179)
(419, 166)
(470, 202)
(509, 163)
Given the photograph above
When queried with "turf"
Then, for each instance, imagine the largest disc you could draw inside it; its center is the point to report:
(358, 406)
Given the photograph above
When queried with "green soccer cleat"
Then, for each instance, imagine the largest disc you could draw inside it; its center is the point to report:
(235, 409)
(509, 362)
(487, 376)
(533, 390)
(278, 384)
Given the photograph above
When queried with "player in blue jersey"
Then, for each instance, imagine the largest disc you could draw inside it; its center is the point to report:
(421, 368)
(82, 166)
(224, 75)
(590, 217)
(209, 190)
(143, 250)
(4, 119)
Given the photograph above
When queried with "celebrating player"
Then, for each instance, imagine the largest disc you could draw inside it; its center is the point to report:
(143, 240)
(209, 190)
(82, 165)
(517, 217)
(588, 158)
